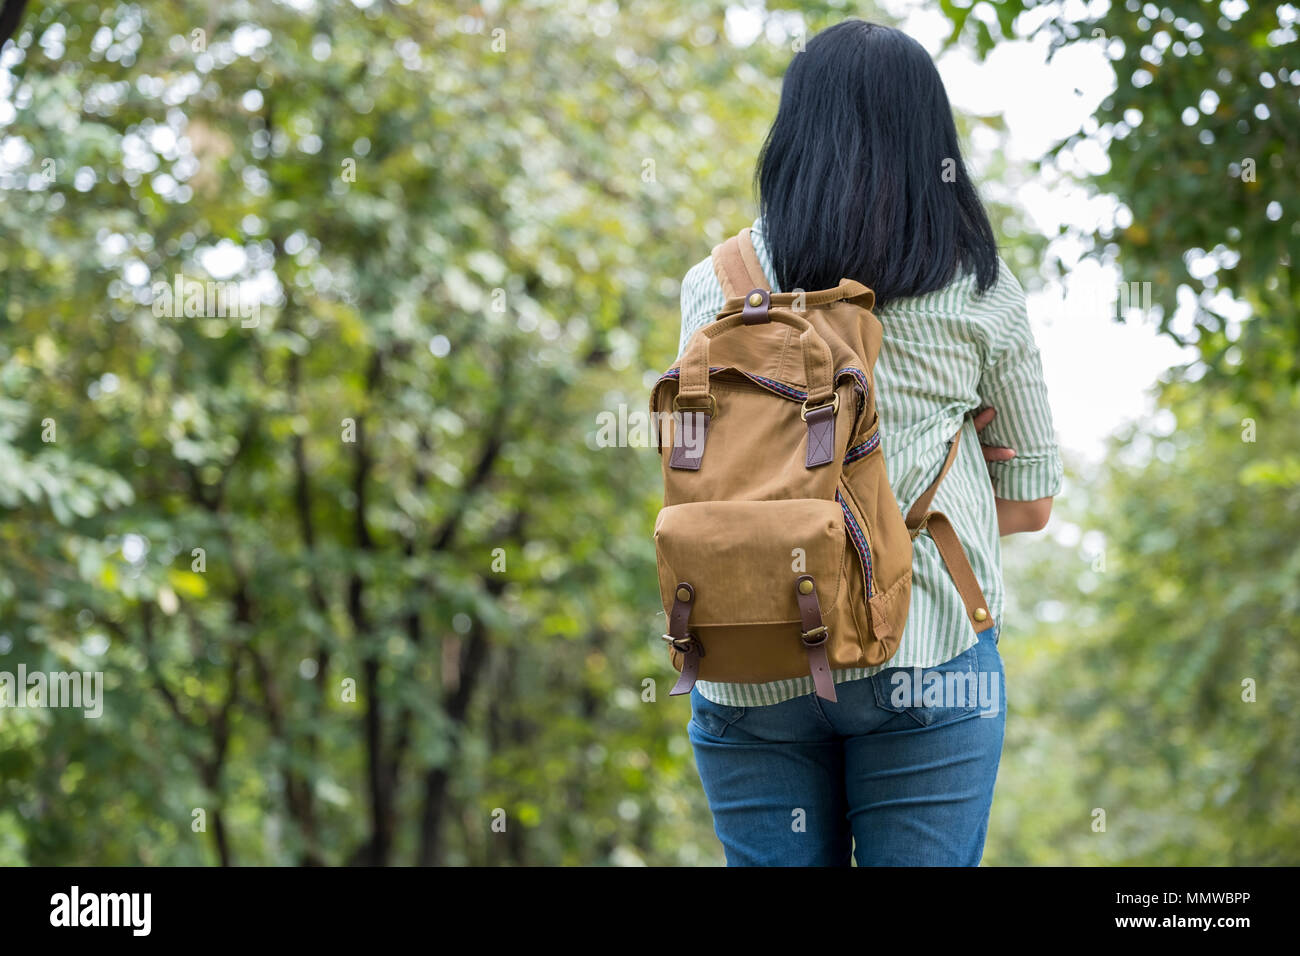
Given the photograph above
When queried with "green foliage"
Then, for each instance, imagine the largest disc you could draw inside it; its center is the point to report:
(1159, 684)
(355, 567)
(419, 388)
(1200, 137)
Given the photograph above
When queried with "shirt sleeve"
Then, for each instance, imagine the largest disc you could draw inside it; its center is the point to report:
(1012, 383)
(702, 300)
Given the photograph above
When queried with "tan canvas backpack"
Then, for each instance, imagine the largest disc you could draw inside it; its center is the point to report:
(781, 549)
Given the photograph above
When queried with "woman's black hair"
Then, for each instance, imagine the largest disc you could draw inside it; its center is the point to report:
(861, 175)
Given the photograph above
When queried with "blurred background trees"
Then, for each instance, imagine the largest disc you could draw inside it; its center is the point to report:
(361, 577)
(1158, 678)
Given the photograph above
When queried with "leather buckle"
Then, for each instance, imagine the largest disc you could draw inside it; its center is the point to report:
(684, 645)
(817, 632)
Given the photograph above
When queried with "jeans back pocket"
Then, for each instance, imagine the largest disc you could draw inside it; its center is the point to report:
(933, 695)
(713, 719)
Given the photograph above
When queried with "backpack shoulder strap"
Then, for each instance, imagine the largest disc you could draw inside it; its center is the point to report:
(736, 265)
(920, 517)
(916, 513)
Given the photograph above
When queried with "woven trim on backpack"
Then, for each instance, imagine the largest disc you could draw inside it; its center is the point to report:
(677, 372)
(858, 375)
(859, 542)
(789, 391)
(784, 390)
(863, 450)
(771, 384)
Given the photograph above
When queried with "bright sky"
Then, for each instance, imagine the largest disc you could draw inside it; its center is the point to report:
(1099, 372)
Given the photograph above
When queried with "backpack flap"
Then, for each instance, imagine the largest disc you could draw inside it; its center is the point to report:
(743, 558)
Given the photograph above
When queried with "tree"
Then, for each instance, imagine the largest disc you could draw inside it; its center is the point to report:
(1200, 137)
(1156, 679)
(451, 236)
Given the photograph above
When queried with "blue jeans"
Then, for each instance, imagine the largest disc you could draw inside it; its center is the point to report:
(901, 779)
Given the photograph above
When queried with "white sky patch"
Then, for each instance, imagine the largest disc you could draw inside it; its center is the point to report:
(223, 260)
(743, 25)
(1099, 372)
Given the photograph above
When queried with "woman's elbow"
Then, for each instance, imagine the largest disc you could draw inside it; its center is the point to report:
(1023, 516)
(1039, 511)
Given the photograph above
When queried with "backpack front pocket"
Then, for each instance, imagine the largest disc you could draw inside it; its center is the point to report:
(742, 557)
(743, 560)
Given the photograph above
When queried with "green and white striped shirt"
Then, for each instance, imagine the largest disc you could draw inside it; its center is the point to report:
(944, 354)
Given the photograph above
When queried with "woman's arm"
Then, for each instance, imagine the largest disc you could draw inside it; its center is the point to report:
(1020, 443)
(1013, 516)
(1016, 516)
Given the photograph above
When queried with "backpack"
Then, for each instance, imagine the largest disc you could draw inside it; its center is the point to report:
(781, 549)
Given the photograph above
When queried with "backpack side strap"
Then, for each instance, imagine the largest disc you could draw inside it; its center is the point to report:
(814, 637)
(684, 641)
(736, 264)
(916, 514)
(921, 518)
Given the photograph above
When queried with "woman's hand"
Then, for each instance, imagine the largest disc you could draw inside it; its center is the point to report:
(992, 452)
(1013, 516)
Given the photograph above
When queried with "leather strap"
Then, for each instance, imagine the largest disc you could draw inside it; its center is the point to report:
(922, 504)
(736, 264)
(690, 429)
(963, 575)
(814, 638)
(921, 518)
(848, 290)
(686, 643)
(757, 303)
(821, 436)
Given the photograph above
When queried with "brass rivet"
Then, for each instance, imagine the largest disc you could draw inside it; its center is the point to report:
(805, 586)
(756, 299)
(981, 614)
(683, 594)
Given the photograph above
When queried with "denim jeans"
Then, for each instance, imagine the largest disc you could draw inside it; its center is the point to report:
(895, 778)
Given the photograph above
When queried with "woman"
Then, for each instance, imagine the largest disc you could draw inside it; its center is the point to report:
(864, 139)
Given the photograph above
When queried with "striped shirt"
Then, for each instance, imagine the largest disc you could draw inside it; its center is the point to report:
(944, 354)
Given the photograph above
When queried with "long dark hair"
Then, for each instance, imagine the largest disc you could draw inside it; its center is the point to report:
(861, 175)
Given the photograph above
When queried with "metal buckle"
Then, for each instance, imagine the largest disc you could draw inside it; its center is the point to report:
(713, 405)
(834, 403)
(684, 645)
(821, 632)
